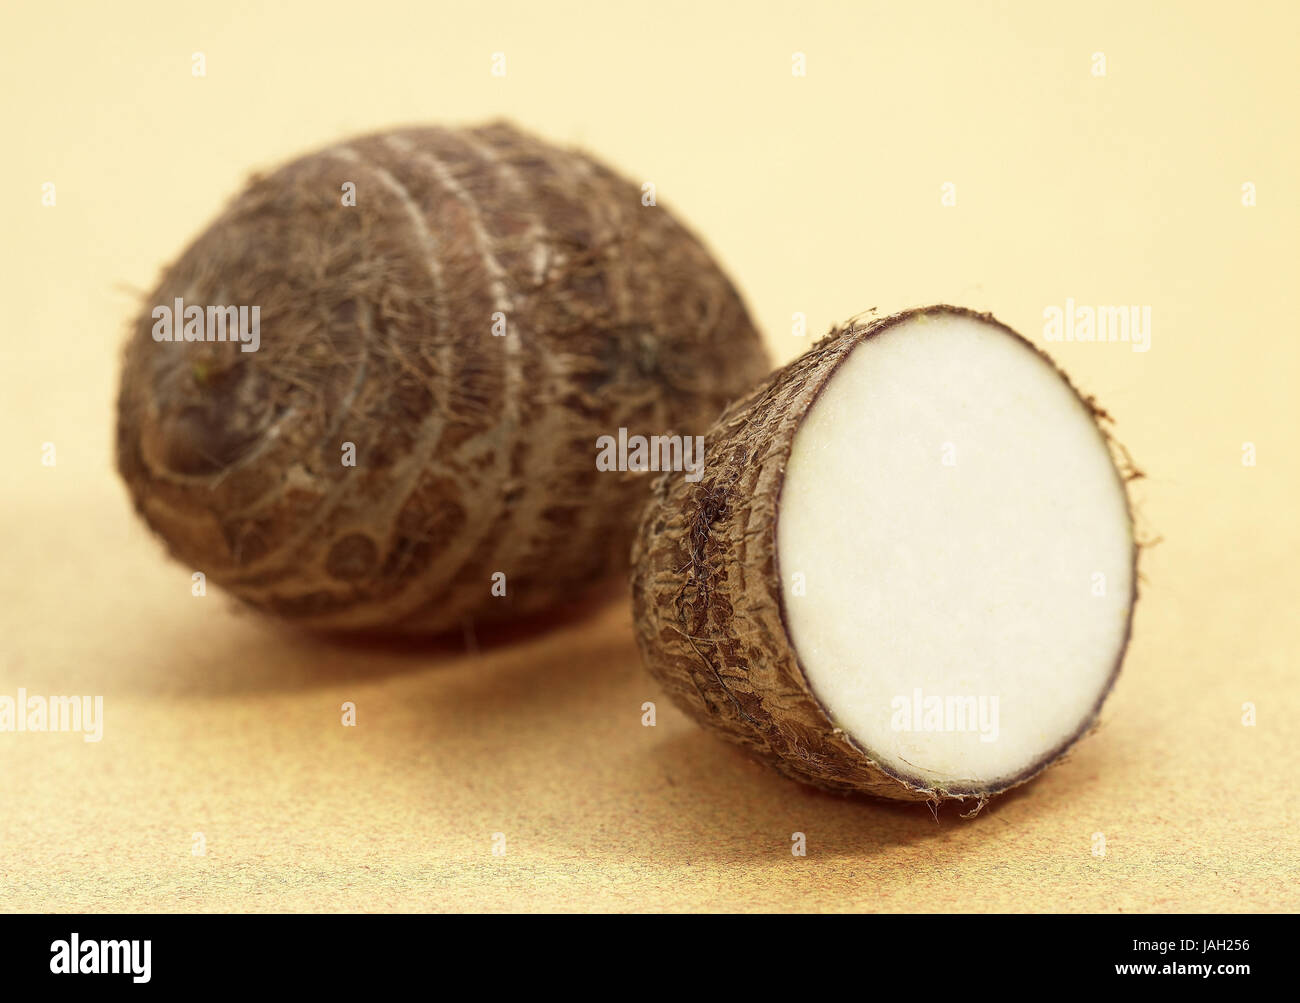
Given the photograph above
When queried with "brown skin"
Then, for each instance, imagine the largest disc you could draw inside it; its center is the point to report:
(707, 597)
(474, 454)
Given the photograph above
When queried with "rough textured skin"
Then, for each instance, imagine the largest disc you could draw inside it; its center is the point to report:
(474, 453)
(707, 598)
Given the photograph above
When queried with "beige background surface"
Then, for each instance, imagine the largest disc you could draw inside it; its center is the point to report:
(821, 195)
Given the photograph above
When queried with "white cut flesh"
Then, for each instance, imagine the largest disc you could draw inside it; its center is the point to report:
(956, 553)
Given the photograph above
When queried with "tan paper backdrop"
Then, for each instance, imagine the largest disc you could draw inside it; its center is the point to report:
(822, 195)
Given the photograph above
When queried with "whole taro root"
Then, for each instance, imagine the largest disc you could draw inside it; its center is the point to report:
(417, 427)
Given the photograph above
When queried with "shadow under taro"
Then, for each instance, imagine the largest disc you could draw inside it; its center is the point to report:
(253, 653)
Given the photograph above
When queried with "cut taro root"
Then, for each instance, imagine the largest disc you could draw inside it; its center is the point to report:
(909, 568)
